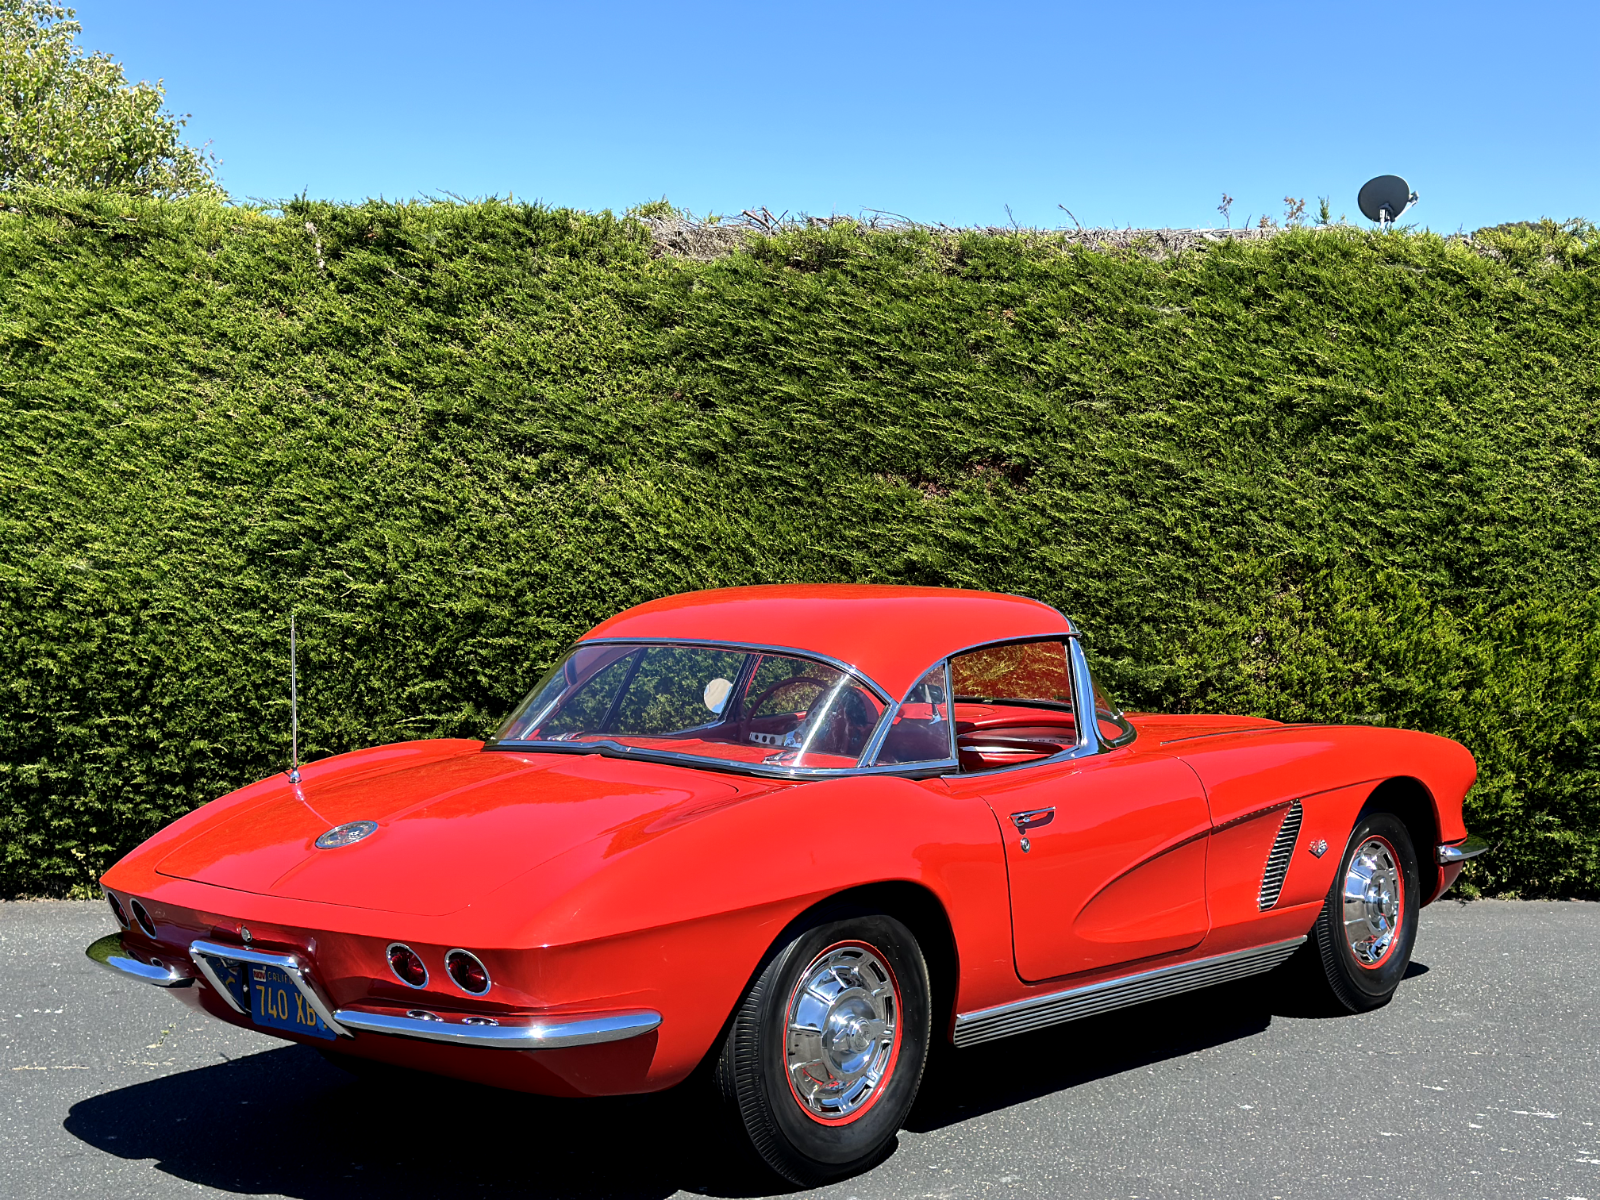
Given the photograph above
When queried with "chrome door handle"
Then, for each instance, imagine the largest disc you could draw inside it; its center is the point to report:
(1034, 818)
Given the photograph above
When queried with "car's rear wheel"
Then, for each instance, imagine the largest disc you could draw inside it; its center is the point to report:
(1368, 923)
(825, 1052)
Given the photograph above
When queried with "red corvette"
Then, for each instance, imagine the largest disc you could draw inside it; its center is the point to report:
(794, 834)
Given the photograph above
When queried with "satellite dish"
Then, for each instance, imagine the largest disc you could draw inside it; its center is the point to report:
(1383, 199)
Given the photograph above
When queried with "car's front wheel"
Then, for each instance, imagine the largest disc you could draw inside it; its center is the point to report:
(825, 1052)
(1368, 923)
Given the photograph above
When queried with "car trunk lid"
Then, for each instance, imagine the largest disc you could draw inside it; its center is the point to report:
(448, 831)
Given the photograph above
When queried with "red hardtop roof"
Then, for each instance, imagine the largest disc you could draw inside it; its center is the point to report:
(889, 634)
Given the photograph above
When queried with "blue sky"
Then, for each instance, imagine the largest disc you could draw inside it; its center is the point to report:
(1138, 113)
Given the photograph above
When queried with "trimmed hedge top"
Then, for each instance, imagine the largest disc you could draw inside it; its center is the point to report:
(1332, 476)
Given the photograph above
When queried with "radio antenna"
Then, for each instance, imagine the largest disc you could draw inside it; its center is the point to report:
(294, 710)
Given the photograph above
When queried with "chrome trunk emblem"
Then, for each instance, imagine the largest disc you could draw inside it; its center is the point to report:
(346, 835)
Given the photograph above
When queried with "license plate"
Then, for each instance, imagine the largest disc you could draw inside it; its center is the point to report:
(275, 1003)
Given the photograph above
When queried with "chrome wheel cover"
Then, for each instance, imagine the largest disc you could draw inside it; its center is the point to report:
(1374, 895)
(841, 1031)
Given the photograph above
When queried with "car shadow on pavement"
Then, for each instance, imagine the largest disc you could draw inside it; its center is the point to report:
(286, 1122)
(963, 1084)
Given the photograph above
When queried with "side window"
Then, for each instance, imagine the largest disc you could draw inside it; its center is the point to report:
(1014, 674)
(921, 729)
(1013, 704)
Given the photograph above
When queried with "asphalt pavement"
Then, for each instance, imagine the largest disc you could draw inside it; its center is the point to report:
(1481, 1079)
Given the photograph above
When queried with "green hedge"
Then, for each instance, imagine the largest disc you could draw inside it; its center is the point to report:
(1334, 476)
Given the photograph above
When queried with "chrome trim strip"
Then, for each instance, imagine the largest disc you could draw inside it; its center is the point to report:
(881, 734)
(1458, 852)
(202, 952)
(1037, 1012)
(1083, 699)
(108, 953)
(730, 766)
(540, 1033)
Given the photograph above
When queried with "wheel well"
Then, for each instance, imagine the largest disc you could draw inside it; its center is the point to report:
(1411, 801)
(922, 913)
(911, 904)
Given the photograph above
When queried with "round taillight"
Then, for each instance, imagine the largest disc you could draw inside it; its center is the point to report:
(408, 968)
(116, 909)
(145, 923)
(467, 972)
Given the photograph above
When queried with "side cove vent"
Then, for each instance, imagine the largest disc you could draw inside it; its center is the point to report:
(1278, 860)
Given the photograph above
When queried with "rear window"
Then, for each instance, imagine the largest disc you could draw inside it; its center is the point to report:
(738, 706)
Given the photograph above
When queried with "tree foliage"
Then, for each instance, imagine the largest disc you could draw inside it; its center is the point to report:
(71, 120)
(1330, 476)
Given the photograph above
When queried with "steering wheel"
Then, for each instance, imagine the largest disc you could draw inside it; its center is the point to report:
(773, 690)
(848, 714)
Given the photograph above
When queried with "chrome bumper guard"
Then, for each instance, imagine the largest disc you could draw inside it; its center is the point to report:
(204, 952)
(1460, 852)
(511, 1033)
(108, 953)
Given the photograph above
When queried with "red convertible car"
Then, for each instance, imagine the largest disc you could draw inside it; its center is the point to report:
(794, 835)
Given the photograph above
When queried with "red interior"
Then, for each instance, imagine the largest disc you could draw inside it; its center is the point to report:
(1002, 735)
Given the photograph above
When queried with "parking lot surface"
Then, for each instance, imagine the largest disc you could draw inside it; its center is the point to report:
(1481, 1079)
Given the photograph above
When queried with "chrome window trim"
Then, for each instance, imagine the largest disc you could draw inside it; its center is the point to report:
(1089, 742)
(869, 756)
(202, 952)
(537, 1033)
(693, 762)
(700, 762)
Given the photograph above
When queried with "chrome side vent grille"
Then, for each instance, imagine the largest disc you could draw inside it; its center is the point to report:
(1278, 860)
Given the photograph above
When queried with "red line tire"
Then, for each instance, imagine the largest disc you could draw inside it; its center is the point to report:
(825, 1053)
(1377, 886)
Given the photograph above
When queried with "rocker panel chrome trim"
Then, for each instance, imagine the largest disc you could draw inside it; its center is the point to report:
(540, 1033)
(1038, 1012)
(289, 964)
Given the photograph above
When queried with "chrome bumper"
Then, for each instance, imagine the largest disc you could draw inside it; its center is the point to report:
(511, 1033)
(108, 953)
(505, 1033)
(1460, 852)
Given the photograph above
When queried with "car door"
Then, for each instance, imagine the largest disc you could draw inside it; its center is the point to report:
(1105, 853)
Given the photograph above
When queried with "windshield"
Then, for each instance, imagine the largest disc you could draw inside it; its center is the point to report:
(738, 706)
